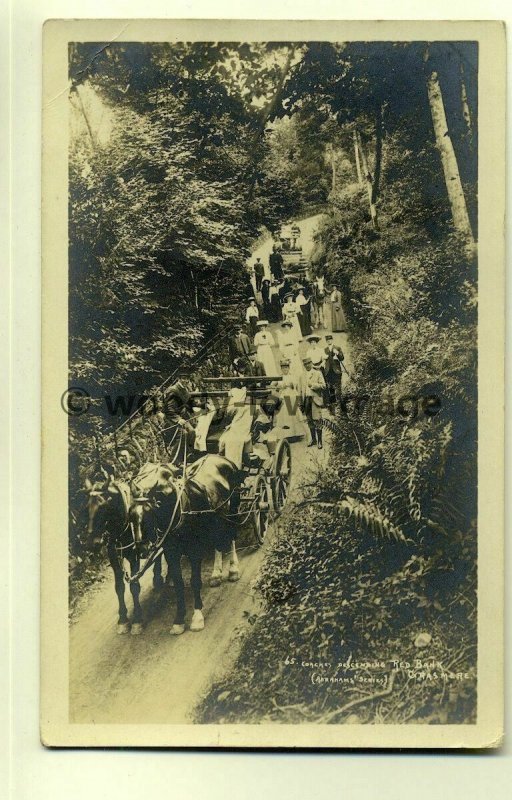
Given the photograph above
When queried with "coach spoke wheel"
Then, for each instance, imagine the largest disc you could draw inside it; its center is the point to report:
(261, 510)
(281, 474)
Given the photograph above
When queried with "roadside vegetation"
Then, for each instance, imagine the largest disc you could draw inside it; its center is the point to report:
(173, 178)
(182, 157)
(369, 592)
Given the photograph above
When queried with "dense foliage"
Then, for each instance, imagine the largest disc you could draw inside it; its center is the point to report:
(378, 563)
(167, 193)
(209, 146)
(174, 171)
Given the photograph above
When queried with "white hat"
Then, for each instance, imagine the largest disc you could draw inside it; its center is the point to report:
(262, 322)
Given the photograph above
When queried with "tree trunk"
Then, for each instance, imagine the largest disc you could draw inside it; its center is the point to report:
(86, 118)
(358, 163)
(369, 182)
(378, 154)
(196, 290)
(448, 158)
(464, 99)
(333, 167)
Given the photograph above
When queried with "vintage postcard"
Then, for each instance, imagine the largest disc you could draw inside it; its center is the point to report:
(273, 337)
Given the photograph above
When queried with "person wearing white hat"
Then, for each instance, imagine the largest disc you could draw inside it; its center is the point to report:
(289, 348)
(264, 342)
(314, 351)
(289, 416)
(290, 313)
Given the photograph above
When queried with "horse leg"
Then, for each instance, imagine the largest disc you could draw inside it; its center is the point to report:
(234, 572)
(168, 576)
(157, 574)
(216, 576)
(135, 590)
(197, 623)
(174, 562)
(123, 626)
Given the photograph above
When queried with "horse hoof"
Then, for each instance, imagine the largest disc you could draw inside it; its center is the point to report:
(234, 575)
(177, 630)
(197, 623)
(136, 628)
(123, 627)
(214, 582)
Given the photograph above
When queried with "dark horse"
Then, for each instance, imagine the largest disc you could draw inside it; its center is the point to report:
(189, 513)
(112, 519)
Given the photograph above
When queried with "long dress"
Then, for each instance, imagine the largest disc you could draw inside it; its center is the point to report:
(204, 419)
(276, 266)
(289, 417)
(338, 321)
(305, 317)
(275, 304)
(264, 342)
(238, 432)
(291, 312)
(265, 297)
(290, 349)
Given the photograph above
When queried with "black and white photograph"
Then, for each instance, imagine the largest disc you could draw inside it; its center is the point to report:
(269, 325)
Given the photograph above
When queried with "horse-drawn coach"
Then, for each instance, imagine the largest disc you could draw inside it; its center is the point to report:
(231, 478)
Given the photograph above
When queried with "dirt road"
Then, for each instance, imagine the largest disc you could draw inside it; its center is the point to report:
(307, 226)
(156, 677)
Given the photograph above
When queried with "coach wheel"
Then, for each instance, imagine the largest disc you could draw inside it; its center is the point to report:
(281, 475)
(261, 509)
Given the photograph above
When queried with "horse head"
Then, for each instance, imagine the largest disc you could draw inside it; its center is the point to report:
(107, 505)
(155, 488)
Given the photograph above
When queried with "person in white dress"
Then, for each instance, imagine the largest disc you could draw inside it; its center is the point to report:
(237, 434)
(289, 348)
(314, 351)
(291, 313)
(289, 417)
(264, 342)
(204, 417)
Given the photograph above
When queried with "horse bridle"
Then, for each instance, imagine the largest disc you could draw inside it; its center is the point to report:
(128, 524)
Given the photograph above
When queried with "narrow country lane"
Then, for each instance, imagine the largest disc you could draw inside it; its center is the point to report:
(307, 226)
(155, 677)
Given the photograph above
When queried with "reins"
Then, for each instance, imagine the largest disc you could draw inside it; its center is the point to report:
(158, 546)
